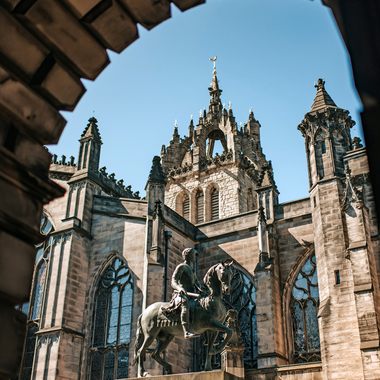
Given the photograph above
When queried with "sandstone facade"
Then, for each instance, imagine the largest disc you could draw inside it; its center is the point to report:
(307, 270)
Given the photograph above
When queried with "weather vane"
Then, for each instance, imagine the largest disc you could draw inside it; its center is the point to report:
(213, 60)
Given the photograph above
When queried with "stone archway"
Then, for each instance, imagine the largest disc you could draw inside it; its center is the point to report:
(46, 48)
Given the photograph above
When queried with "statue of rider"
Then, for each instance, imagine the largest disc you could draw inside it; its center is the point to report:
(186, 289)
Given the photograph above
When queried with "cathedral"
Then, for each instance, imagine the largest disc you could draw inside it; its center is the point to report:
(306, 283)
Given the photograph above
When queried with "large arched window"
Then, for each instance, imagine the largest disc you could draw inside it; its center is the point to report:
(243, 299)
(34, 309)
(109, 351)
(200, 201)
(214, 204)
(304, 308)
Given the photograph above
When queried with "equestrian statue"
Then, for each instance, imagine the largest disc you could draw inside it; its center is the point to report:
(190, 313)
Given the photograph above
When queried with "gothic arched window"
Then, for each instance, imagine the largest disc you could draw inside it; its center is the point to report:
(199, 200)
(34, 309)
(186, 207)
(304, 308)
(214, 204)
(243, 299)
(109, 351)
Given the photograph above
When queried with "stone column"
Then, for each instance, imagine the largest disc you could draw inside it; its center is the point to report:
(268, 302)
(360, 253)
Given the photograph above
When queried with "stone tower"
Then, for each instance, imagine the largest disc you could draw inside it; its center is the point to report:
(204, 185)
(346, 264)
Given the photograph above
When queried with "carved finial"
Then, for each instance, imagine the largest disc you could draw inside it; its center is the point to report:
(320, 84)
(229, 105)
(356, 143)
(92, 120)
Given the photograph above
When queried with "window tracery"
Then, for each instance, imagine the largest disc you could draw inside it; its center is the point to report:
(242, 298)
(304, 308)
(34, 309)
(109, 351)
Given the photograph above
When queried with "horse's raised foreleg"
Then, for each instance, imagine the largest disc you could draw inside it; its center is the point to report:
(141, 356)
(162, 343)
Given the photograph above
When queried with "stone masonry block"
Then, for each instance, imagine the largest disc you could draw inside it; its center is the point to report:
(148, 13)
(37, 116)
(115, 28)
(17, 264)
(81, 8)
(18, 43)
(12, 337)
(63, 87)
(62, 31)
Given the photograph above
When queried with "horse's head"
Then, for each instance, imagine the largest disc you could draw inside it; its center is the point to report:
(224, 273)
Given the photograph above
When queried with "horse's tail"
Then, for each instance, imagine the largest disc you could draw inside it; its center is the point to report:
(139, 339)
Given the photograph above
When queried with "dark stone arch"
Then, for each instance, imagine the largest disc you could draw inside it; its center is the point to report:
(33, 90)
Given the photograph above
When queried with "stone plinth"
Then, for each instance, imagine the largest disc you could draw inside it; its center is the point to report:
(210, 375)
(232, 361)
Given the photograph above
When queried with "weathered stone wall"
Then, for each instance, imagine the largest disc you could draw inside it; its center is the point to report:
(118, 228)
(225, 178)
(180, 352)
(230, 238)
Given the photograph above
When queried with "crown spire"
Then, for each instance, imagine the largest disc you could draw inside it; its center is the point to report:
(322, 99)
(215, 92)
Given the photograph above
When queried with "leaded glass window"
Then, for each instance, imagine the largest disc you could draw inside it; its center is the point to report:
(242, 299)
(112, 323)
(304, 308)
(29, 347)
(34, 308)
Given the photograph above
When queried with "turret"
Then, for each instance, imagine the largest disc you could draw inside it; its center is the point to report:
(326, 129)
(89, 150)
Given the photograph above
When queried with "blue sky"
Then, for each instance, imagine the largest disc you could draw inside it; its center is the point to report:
(270, 53)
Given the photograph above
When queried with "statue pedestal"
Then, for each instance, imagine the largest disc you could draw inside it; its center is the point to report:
(232, 361)
(209, 375)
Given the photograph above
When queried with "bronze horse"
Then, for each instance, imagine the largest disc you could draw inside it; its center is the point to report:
(208, 317)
